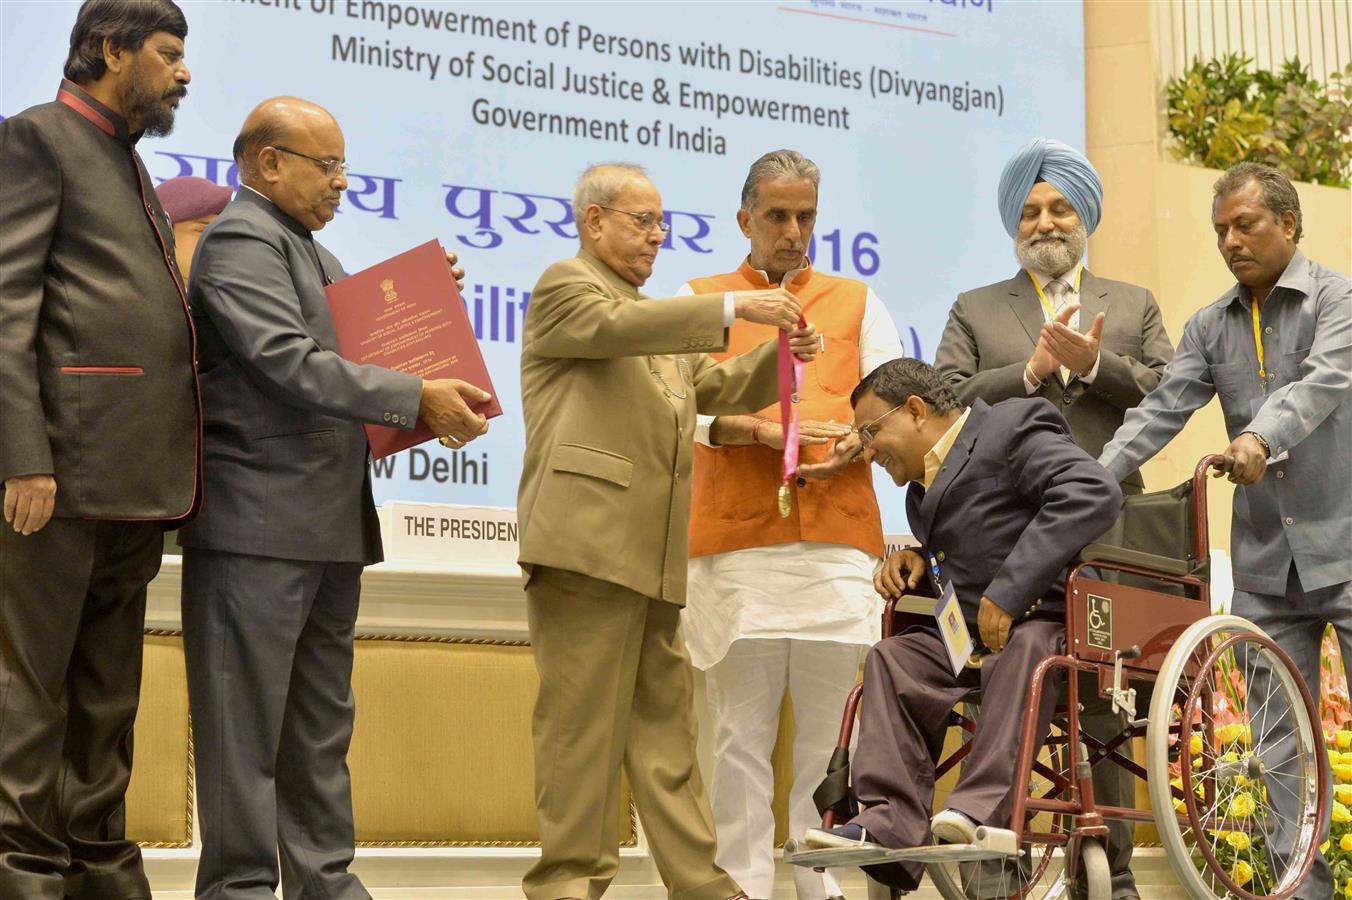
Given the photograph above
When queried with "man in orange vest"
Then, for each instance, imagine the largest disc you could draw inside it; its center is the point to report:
(777, 602)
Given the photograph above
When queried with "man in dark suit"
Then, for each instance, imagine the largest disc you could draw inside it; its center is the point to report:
(99, 425)
(1092, 347)
(1039, 499)
(272, 567)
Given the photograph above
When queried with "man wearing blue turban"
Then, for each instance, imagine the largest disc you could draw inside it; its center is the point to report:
(1092, 347)
(1062, 167)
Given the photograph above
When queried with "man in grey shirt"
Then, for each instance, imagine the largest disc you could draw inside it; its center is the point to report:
(1277, 348)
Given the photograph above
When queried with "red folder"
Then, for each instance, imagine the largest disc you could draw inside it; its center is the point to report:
(406, 313)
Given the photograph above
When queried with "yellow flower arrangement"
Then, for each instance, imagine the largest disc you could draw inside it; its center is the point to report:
(1241, 872)
(1242, 806)
(1239, 840)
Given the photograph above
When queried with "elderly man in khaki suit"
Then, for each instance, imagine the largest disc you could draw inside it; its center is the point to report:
(611, 382)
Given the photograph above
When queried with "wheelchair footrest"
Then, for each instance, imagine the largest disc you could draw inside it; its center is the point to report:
(991, 843)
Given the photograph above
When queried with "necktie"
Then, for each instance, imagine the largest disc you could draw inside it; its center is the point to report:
(1058, 292)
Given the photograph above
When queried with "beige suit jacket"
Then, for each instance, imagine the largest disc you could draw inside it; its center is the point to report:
(605, 484)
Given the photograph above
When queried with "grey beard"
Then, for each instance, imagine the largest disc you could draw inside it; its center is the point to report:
(155, 115)
(1053, 257)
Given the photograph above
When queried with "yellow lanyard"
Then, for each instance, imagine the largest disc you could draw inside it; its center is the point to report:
(1258, 339)
(1046, 304)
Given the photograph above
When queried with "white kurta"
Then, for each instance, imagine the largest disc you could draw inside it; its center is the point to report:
(803, 591)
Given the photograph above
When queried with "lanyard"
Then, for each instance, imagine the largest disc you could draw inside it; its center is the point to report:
(790, 377)
(1258, 340)
(934, 570)
(790, 382)
(1046, 304)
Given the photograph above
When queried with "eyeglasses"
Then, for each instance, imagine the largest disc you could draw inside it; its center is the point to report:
(866, 434)
(646, 220)
(332, 167)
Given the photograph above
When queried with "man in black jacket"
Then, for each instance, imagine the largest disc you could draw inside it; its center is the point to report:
(272, 567)
(1001, 499)
(99, 445)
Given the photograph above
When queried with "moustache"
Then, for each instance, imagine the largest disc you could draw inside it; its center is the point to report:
(175, 92)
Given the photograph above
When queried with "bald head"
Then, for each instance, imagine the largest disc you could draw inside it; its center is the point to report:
(275, 121)
(286, 151)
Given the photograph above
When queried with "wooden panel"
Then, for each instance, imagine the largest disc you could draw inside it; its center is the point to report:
(159, 799)
(441, 753)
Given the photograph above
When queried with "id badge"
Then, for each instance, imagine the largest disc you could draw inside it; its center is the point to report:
(953, 628)
(1255, 405)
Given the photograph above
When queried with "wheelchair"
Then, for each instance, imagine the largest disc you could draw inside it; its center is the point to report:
(1236, 771)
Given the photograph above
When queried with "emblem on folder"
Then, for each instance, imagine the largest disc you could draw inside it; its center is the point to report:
(391, 294)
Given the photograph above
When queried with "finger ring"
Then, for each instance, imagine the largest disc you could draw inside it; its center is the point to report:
(445, 441)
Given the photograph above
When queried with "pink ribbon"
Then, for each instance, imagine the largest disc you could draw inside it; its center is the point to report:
(790, 377)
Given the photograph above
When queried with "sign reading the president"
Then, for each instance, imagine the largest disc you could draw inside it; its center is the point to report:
(452, 535)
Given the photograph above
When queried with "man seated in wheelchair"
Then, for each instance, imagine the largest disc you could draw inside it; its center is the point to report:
(1002, 499)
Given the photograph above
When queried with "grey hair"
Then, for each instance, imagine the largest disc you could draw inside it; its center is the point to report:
(778, 164)
(601, 184)
(1279, 195)
(250, 142)
(898, 379)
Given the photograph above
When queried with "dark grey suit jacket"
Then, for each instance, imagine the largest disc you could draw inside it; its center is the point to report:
(96, 346)
(1037, 498)
(286, 458)
(992, 331)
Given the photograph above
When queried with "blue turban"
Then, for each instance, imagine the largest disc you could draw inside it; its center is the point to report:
(1064, 168)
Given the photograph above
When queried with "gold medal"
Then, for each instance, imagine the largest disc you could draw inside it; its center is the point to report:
(784, 501)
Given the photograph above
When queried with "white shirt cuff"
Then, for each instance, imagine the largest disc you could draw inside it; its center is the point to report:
(730, 309)
(1031, 387)
(702, 427)
(1093, 373)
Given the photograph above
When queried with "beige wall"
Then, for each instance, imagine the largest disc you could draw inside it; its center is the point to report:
(1156, 229)
(1270, 32)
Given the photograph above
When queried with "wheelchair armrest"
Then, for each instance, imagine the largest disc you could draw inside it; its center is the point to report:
(907, 610)
(1166, 565)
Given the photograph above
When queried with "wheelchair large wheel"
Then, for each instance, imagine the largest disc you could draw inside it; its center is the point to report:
(1235, 762)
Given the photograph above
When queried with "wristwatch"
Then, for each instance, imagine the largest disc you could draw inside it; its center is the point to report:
(1267, 451)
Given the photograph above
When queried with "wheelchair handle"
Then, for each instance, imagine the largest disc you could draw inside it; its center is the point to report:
(1199, 519)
